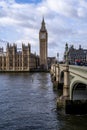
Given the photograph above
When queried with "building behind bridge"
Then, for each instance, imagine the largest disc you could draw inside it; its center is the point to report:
(77, 55)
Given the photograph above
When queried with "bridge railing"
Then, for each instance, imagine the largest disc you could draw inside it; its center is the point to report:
(78, 70)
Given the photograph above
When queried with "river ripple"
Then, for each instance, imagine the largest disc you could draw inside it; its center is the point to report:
(28, 102)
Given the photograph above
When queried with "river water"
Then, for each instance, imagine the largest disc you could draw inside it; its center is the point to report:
(28, 102)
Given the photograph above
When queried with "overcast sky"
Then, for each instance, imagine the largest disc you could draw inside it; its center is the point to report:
(66, 21)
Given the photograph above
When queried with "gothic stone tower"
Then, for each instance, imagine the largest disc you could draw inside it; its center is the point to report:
(43, 38)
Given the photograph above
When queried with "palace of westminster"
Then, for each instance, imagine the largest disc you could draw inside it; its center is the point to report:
(24, 60)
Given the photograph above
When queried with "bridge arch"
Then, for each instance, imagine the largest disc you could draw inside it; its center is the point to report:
(76, 82)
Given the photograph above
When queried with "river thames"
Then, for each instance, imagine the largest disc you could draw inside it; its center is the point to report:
(28, 102)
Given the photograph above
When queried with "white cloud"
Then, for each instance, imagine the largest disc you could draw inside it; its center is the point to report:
(66, 21)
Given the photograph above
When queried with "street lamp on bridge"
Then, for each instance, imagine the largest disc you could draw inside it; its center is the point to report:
(66, 54)
(57, 57)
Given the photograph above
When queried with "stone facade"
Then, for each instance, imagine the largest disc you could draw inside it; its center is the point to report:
(79, 54)
(14, 60)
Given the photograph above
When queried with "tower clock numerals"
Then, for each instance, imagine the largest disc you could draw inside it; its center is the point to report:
(43, 36)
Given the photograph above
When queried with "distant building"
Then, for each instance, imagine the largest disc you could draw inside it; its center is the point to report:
(50, 61)
(77, 55)
(14, 60)
(1, 50)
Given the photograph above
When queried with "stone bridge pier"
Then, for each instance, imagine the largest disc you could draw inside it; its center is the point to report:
(55, 75)
(66, 82)
(60, 79)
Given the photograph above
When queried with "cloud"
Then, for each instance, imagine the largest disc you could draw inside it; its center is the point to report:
(66, 21)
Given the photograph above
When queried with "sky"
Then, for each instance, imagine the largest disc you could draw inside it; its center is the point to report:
(66, 21)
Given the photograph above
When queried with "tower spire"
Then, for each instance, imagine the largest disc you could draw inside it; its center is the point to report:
(43, 20)
(43, 28)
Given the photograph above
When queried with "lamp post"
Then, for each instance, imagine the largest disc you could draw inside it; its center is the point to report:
(66, 54)
(57, 57)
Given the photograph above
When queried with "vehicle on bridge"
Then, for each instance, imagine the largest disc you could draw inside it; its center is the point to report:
(80, 63)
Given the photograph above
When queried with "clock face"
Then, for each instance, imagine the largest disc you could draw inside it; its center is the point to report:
(43, 35)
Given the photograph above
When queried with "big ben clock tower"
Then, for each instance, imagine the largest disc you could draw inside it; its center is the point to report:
(43, 38)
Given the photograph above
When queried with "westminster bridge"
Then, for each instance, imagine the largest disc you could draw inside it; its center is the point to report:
(69, 78)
